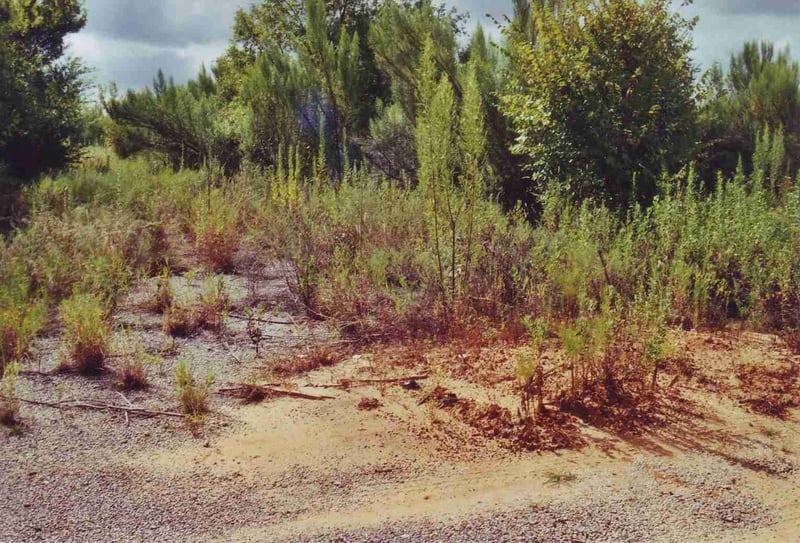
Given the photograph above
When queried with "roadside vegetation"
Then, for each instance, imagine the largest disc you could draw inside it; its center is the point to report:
(477, 195)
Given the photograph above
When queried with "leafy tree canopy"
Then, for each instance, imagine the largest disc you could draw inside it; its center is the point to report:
(602, 100)
(40, 89)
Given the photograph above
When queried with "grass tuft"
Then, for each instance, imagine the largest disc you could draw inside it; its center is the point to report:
(193, 396)
(9, 402)
(86, 331)
(133, 376)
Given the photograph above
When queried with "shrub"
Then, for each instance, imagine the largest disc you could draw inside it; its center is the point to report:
(192, 396)
(86, 331)
(529, 370)
(179, 321)
(9, 402)
(164, 297)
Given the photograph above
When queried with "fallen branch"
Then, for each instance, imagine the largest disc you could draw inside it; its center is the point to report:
(80, 404)
(254, 393)
(348, 383)
(230, 352)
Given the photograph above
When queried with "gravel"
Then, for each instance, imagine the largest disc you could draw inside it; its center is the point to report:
(660, 500)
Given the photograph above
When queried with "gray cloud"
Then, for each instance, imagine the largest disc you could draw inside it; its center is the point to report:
(127, 41)
(162, 22)
(758, 7)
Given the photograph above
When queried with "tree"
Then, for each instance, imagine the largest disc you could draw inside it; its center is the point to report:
(760, 91)
(40, 89)
(294, 62)
(602, 96)
(182, 121)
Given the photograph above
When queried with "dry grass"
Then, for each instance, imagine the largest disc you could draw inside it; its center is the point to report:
(9, 403)
(368, 404)
(164, 298)
(180, 321)
(133, 376)
(319, 356)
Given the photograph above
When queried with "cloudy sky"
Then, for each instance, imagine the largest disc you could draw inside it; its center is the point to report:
(127, 41)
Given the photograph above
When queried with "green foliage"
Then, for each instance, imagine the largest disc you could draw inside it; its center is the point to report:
(86, 331)
(398, 37)
(21, 315)
(181, 121)
(603, 97)
(451, 144)
(759, 92)
(40, 89)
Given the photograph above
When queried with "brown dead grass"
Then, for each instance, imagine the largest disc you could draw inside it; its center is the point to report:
(217, 249)
(550, 431)
(316, 357)
(8, 345)
(133, 376)
(180, 321)
(770, 390)
(368, 404)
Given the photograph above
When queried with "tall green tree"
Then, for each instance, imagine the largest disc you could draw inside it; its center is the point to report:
(602, 96)
(306, 60)
(40, 89)
(181, 121)
(761, 90)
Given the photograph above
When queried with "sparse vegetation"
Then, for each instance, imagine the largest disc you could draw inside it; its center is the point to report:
(546, 244)
(213, 303)
(557, 478)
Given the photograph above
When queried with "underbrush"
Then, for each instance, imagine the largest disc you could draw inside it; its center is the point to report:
(440, 261)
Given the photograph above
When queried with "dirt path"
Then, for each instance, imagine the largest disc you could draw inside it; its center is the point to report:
(298, 470)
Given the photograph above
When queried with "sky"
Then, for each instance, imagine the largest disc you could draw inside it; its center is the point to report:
(127, 41)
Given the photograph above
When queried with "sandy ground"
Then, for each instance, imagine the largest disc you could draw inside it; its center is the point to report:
(291, 469)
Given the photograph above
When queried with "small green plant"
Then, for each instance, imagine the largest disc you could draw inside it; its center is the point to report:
(9, 402)
(21, 316)
(86, 331)
(529, 370)
(193, 396)
(213, 303)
